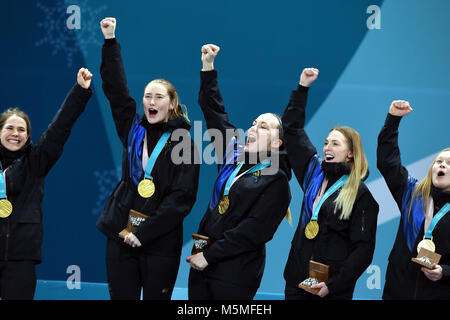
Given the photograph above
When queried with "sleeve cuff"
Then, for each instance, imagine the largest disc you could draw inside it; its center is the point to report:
(445, 271)
(207, 257)
(110, 42)
(300, 95)
(82, 90)
(392, 121)
(301, 88)
(208, 75)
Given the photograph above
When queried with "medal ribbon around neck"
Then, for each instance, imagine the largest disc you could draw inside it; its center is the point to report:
(224, 202)
(312, 228)
(146, 188)
(5, 205)
(427, 241)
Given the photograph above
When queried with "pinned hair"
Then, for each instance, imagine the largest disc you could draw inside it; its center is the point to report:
(280, 128)
(179, 109)
(15, 112)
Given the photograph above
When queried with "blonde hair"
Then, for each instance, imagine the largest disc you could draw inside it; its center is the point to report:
(288, 215)
(179, 109)
(423, 187)
(359, 167)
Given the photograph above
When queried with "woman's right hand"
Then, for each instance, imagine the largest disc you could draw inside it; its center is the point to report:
(209, 53)
(400, 108)
(309, 75)
(84, 78)
(108, 26)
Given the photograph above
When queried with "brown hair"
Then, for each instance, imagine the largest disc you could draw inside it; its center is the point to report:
(15, 112)
(179, 110)
(280, 127)
(288, 215)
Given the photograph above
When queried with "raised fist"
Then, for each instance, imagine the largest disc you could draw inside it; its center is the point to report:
(84, 78)
(209, 52)
(108, 26)
(400, 108)
(309, 75)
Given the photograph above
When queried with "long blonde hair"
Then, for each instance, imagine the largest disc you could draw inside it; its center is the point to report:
(179, 110)
(423, 187)
(359, 167)
(288, 215)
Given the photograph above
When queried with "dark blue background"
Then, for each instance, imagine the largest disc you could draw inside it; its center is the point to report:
(264, 47)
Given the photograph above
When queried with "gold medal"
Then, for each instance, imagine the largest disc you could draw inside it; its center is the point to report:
(312, 229)
(224, 203)
(146, 188)
(5, 208)
(427, 244)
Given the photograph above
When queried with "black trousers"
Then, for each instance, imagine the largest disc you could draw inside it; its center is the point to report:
(201, 287)
(129, 270)
(17, 280)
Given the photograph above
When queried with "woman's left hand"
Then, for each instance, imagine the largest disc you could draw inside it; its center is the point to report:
(132, 240)
(323, 289)
(434, 274)
(197, 261)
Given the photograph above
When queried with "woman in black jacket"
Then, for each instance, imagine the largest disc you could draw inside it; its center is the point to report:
(153, 162)
(22, 178)
(248, 203)
(424, 206)
(339, 215)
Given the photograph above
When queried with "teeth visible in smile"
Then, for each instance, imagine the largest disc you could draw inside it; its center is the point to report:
(329, 157)
(13, 141)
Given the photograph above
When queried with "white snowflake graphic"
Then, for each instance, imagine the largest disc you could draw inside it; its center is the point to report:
(63, 39)
(106, 181)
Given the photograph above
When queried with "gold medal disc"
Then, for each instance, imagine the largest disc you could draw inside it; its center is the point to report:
(146, 188)
(427, 244)
(5, 208)
(224, 203)
(312, 229)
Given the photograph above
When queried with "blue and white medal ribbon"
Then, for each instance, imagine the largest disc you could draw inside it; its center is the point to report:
(427, 242)
(146, 188)
(224, 202)
(312, 228)
(5, 205)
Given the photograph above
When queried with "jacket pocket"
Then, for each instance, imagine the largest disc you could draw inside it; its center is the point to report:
(29, 215)
(337, 250)
(113, 212)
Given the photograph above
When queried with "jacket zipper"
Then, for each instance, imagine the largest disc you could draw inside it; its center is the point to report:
(8, 219)
(417, 283)
(7, 241)
(363, 215)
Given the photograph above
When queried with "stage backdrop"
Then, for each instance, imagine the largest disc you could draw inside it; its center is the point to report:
(369, 53)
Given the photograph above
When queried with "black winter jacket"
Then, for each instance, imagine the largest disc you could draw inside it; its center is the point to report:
(176, 184)
(347, 246)
(258, 204)
(404, 279)
(21, 232)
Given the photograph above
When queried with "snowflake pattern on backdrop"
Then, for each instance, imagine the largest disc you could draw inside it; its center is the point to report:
(65, 40)
(106, 181)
